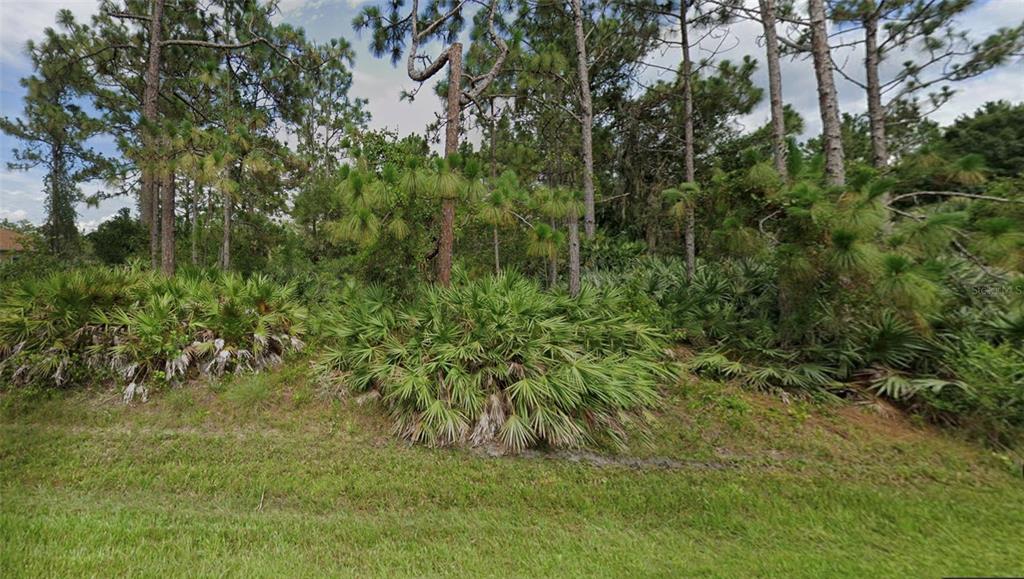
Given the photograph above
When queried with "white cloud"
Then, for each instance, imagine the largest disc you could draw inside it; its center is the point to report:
(90, 225)
(13, 215)
(799, 85)
(24, 20)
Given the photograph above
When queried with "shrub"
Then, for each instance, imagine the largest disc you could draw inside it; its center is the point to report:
(82, 326)
(497, 360)
(990, 405)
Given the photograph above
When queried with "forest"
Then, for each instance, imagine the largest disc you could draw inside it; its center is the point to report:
(593, 248)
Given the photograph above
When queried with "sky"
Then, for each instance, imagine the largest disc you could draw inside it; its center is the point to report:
(21, 192)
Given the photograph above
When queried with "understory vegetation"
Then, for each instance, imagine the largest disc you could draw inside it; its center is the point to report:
(633, 303)
(139, 329)
(547, 285)
(498, 360)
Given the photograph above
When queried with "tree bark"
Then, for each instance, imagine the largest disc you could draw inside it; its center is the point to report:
(149, 194)
(195, 224)
(167, 224)
(876, 113)
(451, 147)
(778, 123)
(688, 151)
(154, 224)
(225, 240)
(586, 121)
(574, 252)
(553, 263)
(494, 175)
(828, 105)
(498, 262)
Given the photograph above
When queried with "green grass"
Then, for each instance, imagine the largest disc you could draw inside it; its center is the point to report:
(260, 477)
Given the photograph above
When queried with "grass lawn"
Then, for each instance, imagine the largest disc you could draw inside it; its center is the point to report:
(262, 476)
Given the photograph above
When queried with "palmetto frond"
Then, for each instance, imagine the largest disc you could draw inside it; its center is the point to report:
(140, 326)
(500, 361)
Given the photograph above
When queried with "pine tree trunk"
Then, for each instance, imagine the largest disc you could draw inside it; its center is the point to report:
(586, 121)
(553, 263)
(828, 102)
(497, 260)
(451, 147)
(494, 175)
(876, 114)
(494, 137)
(154, 227)
(688, 152)
(167, 224)
(778, 124)
(225, 240)
(149, 190)
(574, 253)
(195, 224)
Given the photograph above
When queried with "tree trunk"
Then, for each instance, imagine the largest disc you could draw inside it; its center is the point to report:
(167, 224)
(451, 146)
(225, 240)
(771, 46)
(497, 260)
(494, 136)
(195, 224)
(154, 225)
(149, 194)
(828, 105)
(494, 175)
(586, 121)
(574, 253)
(688, 151)
(553, 260)
(876, 114)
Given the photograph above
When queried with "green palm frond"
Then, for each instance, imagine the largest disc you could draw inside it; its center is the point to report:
(498, 360)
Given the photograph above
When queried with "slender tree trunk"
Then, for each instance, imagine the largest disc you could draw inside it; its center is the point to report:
(494, 137)
(149, 194)
(167, 224)
(771, 46)
(835, 171)
(586, 121)
(876, 114)
(225, 240)
(154, 226)
(497, 259)
(195, 224)
(451, 147)
(494, 175)
(574, 252)
(688, 151)
(553, 260)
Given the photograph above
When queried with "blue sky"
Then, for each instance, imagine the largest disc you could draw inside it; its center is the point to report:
(375, 79)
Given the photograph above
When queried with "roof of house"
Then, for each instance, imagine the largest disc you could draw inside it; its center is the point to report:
(10, 240)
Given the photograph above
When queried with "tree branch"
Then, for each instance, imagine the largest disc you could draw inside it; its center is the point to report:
(955, 194)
